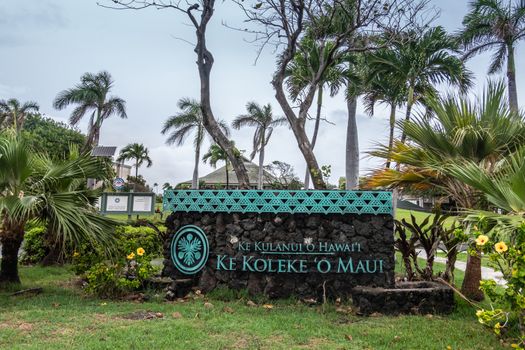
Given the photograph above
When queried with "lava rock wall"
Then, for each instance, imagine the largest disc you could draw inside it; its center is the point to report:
(372, 233)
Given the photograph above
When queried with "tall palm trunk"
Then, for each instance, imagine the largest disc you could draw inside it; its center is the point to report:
(352, 146)
(391, 133)
(316, 131)
(136, 175)
(195, 179)
(410, 103)
(471, 282)
(261, 162)
(11, 239)
(511, 77)
(227, 176)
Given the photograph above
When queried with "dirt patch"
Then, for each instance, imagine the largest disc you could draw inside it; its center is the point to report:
(143, 315)
(315, 343)
(63, 331)
(26, 327)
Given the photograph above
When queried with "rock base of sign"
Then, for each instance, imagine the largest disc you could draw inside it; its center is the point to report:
(226, 231)
(406, 298)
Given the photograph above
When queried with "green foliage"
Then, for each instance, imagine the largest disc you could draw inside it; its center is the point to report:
(128, 239)
(114, 279)
(131, 238)
(427, 233)
(507, 254)
(34, 248)
(34, 186)
(92, 97)
(44, 135)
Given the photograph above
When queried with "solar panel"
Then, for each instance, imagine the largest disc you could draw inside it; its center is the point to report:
(103, 151)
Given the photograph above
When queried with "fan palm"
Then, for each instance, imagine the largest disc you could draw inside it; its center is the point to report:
(421, 60)
(92, 96)
(13, 113)
(260, 117)
(483, 133)
(496, 25)
(182, 124)
(33, 186)
(137, 152)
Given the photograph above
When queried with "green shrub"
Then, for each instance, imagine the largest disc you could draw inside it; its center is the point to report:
(33, 247)
(114, 279)
(130, 238)
(506, 253)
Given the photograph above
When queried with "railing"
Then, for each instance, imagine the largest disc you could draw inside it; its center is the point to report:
(279, 201)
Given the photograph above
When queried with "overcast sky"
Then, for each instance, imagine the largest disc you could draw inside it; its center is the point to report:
(46, 45)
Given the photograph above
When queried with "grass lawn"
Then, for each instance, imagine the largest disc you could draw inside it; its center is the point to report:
(63, 317)
(419, 215)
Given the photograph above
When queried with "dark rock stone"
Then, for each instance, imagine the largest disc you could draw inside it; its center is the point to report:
(248, 224)
(373, 233)
(405, 298)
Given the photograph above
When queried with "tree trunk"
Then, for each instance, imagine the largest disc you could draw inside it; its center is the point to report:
(11, 241)
(352, 146)
(470, 286)
(260, 181)
(227, 175)
(195, 179)
(410, 102)
(511, 78)
(391, 134)
(136, 175)
(205, 63)
(316, 130)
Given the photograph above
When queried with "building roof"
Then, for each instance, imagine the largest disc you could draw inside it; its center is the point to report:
(219, 176)
(103, 151)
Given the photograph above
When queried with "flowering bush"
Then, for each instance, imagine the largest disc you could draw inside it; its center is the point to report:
(507, 253)
(114, 279)
(129, 239)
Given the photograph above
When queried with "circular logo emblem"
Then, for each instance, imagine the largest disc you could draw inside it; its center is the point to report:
(189, 249)
(118, 183)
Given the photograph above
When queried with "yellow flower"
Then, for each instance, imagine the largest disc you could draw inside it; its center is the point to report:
(131, 256)
(514, 346)
(481, 240)
(501, 247)
(479, 313)
(75, 254)
(140, 251)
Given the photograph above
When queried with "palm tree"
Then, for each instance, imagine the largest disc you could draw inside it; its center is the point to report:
(496, 25)
(260, 117)
(139, 153)
(300, 74)
(417, 62)
(185, 122)
(461, 131)
(382, 89)
(92, 96)
(33, 186)
(166, 186)
(216, 154)
(13, 113)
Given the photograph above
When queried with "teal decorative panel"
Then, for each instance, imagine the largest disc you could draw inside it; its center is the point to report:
(279, 201)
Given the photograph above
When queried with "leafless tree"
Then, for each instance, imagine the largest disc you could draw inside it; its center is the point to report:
(200, 13)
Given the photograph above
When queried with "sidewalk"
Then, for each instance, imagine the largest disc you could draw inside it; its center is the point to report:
(487, 273)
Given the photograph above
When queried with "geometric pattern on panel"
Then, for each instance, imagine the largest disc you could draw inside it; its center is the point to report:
(279, 201)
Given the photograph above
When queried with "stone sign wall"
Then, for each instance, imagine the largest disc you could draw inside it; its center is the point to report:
(312, 255)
